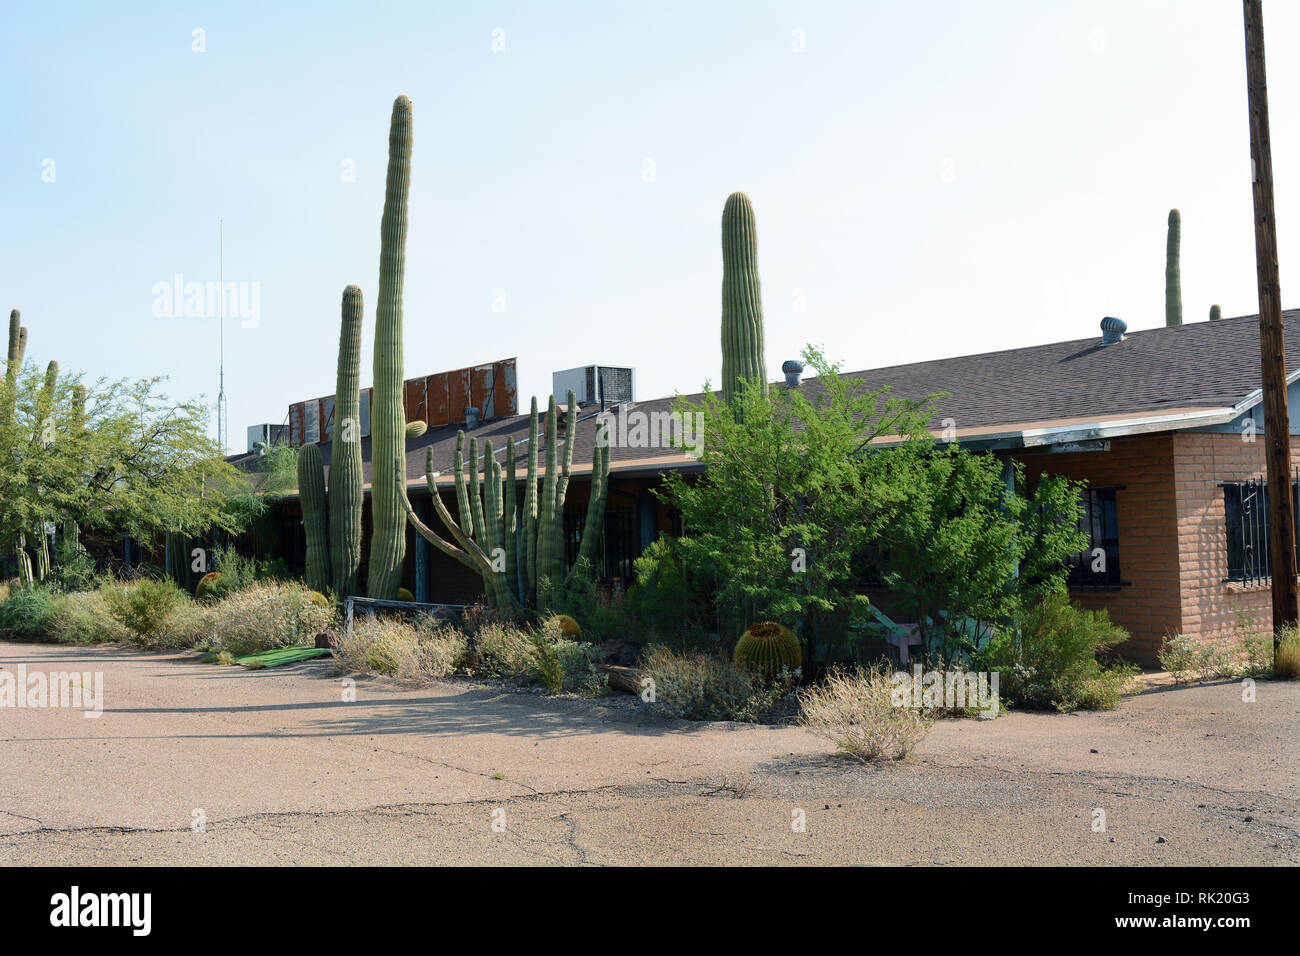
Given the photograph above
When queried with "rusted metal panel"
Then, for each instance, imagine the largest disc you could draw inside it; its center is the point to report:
(413, 400)
(297, 411)
(458, 395)
(505, 392)
(480, 391)
(327, 418)
(437, 397)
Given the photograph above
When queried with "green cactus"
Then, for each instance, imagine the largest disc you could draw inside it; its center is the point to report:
(767, 649)
(528, 537)
(1215, 313)
(742, 306)
(346, 488)
(416, 429)
(1173, 280)
(311, 493)
(71, 531)
(488, 525)
(387, 416)
(178, 559)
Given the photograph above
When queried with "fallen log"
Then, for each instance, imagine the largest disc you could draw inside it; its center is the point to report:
(626, 679)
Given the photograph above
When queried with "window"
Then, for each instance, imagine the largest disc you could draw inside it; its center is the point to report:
(1098, 566)
(1245, 512)
(617, 551)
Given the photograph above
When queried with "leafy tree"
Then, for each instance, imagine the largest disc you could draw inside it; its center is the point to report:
(129, 459)
(792, 490)
(965, 552)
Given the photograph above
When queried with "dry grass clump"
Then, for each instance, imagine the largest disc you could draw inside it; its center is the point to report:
(404, 651)
(265, 615)
(855, 711)
(1286, 659)
(83, 617)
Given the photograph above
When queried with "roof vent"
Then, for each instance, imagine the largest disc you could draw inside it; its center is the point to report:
(793, 369)
(1112, 330)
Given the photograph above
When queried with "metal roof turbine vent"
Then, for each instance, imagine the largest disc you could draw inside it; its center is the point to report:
(1112, 330)
(793, 369)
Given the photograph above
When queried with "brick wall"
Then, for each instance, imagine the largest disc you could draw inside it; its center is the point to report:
(1202, 461)
(1148, 606)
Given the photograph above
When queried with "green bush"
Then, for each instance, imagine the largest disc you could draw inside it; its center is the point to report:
(144, 606)
(498, 649)
(26, 613)
(1048, 659)
(83, 618)
(1287, 657)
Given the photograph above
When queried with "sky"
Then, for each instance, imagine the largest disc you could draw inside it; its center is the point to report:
(928, 179)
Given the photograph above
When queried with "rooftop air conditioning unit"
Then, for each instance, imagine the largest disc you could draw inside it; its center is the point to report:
(595, 384)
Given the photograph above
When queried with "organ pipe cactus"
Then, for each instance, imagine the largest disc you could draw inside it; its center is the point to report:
(1173, 280)
(311, 492)
(387, 416)
(742, 307)
(346, 491)
(488, 532)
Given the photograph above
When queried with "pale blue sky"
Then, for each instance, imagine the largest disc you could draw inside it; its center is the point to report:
(933, 178)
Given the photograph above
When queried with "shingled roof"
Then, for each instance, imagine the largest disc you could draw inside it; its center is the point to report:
(1155, 380)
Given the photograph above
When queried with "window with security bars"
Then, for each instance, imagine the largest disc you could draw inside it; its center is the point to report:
(1098, 565)
(1245, 513)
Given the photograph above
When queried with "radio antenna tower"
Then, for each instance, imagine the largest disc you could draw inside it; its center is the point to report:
(221, 318)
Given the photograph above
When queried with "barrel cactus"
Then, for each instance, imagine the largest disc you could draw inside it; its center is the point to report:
(566, 627)
(742, 307)
(1173, 280)
(387, 416)
(768, 648)
(209, 587)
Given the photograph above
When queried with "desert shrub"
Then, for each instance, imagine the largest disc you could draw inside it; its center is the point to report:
(144, 606)
(1286, 662)
(266, 615)
(697, 686)
(546, 662)
(855, 710)
(403, 651)
(1048, 659)
(502, 650)
(26, 612)
(84, 618)
(191, 625)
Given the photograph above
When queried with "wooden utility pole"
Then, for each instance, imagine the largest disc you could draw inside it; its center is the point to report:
(1272, 351)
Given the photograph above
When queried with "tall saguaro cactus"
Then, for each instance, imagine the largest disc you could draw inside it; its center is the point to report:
(346, 490)
(311, 492)
(1173, 279)
(387, 416)
(742, 306)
